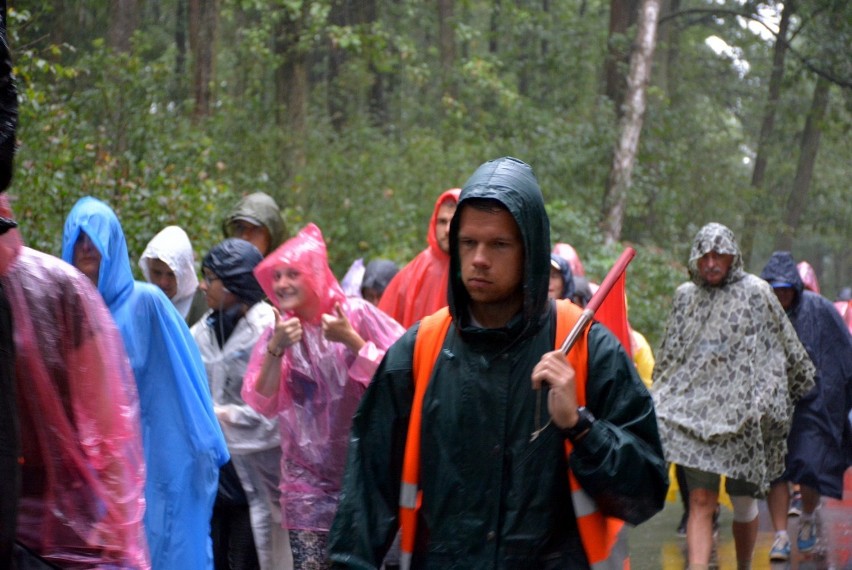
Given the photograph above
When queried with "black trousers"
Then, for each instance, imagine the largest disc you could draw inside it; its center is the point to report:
(230, 526)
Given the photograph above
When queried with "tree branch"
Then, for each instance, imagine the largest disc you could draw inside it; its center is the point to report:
(722, 12)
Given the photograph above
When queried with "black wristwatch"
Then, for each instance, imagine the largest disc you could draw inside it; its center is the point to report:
(583, 423)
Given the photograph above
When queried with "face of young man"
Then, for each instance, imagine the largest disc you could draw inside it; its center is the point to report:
(713, 267)
(258, 236)
(491, 254)
(442, 225)
(163, 277)
(87, 258)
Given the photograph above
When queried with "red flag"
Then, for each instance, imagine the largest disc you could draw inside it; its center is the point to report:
(612, 312)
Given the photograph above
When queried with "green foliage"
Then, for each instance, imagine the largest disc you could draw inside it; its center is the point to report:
(118, 126)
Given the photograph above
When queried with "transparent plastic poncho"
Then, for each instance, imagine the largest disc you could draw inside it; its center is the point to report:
(83, 472)
(321, 383)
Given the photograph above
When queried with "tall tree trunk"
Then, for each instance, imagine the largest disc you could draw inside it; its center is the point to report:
(178, 90)
(123, 21)
(525, 55)
(618, 184)
(291, 87)
(203, 24)
(494, 27)
(622, 15)
(447, 46)
(758, 196)
(337, 98)
(798, 199)
(668, 42)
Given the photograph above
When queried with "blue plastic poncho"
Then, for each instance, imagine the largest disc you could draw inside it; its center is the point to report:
(184, 446)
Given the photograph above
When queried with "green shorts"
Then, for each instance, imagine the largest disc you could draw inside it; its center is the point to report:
(696, 479)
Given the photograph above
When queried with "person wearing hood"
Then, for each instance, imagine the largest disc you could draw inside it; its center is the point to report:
(82, 493)
(377, 276)
(819, 448)
(561, 283)
(183, 443)
(236, 318)
(728, 371)
(169, 263)
(256, 218)
(497, 487)
(309, 369)
(420, 288)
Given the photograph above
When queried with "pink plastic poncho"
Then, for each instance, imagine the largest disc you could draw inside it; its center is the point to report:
(808, 275)
(569, 254)
(321, 384)
(420, 288)
(83, 470)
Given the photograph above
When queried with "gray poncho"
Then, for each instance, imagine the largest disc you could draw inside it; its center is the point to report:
(729, 371)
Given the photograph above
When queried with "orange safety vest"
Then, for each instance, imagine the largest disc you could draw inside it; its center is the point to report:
(603, 538)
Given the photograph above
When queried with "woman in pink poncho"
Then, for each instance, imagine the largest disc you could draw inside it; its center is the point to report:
(311, 369)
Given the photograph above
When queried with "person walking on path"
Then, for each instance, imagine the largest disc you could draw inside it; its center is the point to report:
(516, 457)
(184, 445)
(420, 288)
(309, 369)
(728, 372)
(256, 218)
(819, 447)
(169, 263)
(225, 336)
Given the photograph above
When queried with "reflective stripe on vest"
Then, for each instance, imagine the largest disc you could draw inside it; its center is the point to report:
(604, 538)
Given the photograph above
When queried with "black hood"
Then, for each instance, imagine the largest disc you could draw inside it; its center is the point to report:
(781, 268)
(233, 261)
(512, 183)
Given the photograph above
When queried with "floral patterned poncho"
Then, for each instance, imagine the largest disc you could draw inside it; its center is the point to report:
(729, 371)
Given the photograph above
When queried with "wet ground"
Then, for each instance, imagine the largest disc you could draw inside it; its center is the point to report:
(655, 544)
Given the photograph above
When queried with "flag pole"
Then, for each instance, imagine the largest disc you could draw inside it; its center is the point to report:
(585, 318)
(589, 312)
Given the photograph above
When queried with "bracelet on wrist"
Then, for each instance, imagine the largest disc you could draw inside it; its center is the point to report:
(275, 353)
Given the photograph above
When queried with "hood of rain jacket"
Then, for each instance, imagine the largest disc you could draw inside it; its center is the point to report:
(718, 238)
(512, 183)
(567, 278)
(233, 261)
(808, 275)
(172, 247)
(420, 288)
(820, 442)
(378, 274)
(259, 209)
(307, 252)
(183, 442)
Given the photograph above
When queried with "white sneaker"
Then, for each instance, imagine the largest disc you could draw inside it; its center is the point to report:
(780, 551)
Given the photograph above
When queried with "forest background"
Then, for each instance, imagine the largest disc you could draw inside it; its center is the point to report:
(356, 114)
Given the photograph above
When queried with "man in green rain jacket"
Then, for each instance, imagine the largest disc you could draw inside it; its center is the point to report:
(256, 218)
(492, 496)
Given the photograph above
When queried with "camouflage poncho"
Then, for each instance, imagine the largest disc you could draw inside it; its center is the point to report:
(729, 371)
